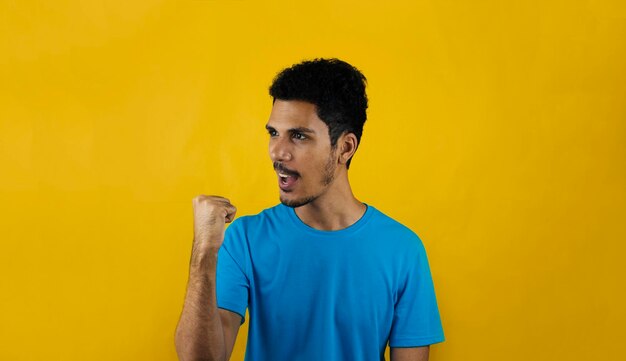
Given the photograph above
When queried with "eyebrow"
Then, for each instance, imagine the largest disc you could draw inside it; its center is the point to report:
(294, 130)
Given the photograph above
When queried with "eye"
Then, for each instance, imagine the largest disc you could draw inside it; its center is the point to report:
(299, 136)
(271, 132)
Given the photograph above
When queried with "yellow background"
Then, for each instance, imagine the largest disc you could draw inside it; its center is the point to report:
(496, 131)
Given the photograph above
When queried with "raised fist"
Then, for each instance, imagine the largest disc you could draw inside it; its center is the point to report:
(210, 215)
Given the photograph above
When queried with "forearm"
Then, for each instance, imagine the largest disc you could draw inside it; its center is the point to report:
(199, 334)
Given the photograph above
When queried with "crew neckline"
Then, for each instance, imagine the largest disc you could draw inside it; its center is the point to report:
(301, 226)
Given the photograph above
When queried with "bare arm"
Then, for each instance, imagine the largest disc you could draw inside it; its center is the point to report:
(410, 353)
(205, 332)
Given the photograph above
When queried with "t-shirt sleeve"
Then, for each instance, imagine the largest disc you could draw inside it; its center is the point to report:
(416, 320)
(232, 282)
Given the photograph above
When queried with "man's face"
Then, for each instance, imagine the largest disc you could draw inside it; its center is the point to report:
(300, 150)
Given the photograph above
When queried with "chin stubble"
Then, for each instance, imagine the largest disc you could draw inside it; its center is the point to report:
(327, 179)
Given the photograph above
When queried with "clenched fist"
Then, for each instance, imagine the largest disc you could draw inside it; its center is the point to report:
(210, 215)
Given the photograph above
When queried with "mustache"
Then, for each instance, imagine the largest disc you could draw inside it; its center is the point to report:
(282, 169)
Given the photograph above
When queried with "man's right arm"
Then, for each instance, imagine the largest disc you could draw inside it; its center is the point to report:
(205, 332)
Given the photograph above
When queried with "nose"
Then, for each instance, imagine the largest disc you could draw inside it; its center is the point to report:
(280, 150)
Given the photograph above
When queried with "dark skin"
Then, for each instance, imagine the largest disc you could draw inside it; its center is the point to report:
(300, 141)
(312, 157)
(300, 144)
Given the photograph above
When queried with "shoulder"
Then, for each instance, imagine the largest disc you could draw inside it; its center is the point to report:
(394, 232)
(247, 230)
(265, 220)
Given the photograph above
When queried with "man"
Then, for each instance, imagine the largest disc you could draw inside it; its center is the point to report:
(323, 275)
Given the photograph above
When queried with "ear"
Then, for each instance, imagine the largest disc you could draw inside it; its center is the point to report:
(347, 145)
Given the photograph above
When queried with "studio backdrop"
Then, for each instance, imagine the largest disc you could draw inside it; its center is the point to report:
(496, 131)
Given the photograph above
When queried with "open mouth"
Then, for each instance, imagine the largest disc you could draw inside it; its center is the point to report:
(286, 181)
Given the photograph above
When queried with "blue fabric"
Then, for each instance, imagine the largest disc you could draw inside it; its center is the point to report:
(327, 295)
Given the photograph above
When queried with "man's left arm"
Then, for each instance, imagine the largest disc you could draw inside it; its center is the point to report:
(409, 353)
(416, 323)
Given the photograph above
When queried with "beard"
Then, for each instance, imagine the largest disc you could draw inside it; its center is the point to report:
(327, 178)
(295, 203)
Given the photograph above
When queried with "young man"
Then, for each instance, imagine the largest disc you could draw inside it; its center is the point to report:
(323, 275)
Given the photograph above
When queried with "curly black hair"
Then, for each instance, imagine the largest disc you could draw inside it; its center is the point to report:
(335, 87)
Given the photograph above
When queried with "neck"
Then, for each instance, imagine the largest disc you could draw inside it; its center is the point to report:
(336, 209)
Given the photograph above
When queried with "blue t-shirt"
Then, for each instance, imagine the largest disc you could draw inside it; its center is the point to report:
(327, 295)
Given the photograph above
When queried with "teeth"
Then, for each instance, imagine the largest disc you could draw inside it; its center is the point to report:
(283, 175)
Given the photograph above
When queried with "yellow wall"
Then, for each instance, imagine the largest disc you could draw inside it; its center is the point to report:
(497, 131)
